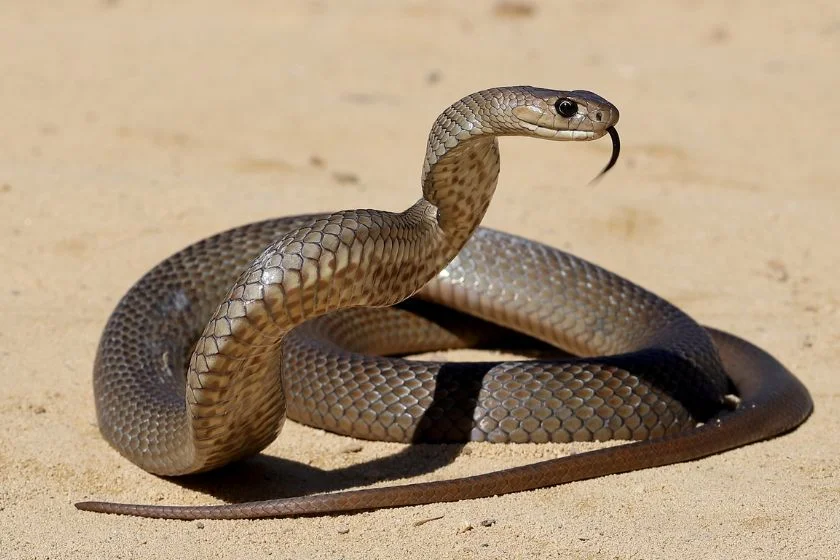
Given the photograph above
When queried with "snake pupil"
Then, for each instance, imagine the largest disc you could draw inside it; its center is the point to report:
(566, 107)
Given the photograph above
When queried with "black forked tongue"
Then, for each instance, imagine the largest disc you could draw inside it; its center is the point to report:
(616, 149)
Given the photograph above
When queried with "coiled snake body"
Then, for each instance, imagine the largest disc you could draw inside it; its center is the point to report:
(335, 276)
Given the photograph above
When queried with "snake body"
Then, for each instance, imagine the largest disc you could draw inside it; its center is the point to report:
(301, 313)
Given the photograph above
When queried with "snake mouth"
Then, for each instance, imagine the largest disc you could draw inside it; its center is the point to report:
(565, 134)
(531, 122)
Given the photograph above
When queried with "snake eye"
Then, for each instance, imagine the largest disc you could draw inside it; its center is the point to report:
(566, 107)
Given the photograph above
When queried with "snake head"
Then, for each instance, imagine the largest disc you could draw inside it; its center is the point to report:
(563, 115)
(568, 115)
(521, 111)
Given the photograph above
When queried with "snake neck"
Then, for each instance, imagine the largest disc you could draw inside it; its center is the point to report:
(460, 185)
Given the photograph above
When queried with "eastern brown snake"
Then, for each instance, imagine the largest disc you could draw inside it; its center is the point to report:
(646, 370)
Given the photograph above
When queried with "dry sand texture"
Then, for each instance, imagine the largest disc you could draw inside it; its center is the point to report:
(132, 128)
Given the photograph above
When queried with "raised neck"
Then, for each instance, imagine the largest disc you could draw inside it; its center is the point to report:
(460, 183)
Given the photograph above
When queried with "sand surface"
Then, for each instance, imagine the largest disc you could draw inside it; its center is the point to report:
(132, 128)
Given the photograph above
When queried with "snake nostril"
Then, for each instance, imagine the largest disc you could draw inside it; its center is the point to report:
(599, 116)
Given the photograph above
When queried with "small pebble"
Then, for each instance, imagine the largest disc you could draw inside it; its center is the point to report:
(778, 271)
(199, 525)
(433, 77)
(420, 522)
(345, 178)
(488, 522)
(514, 9)
(464, 527)
(342, 529)
(352, 448)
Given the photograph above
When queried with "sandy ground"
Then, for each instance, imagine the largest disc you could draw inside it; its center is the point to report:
(130, 129)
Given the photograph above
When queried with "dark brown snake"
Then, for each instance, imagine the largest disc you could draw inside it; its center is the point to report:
(658, 378)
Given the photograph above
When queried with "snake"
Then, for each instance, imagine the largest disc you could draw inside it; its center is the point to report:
(315, 318)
